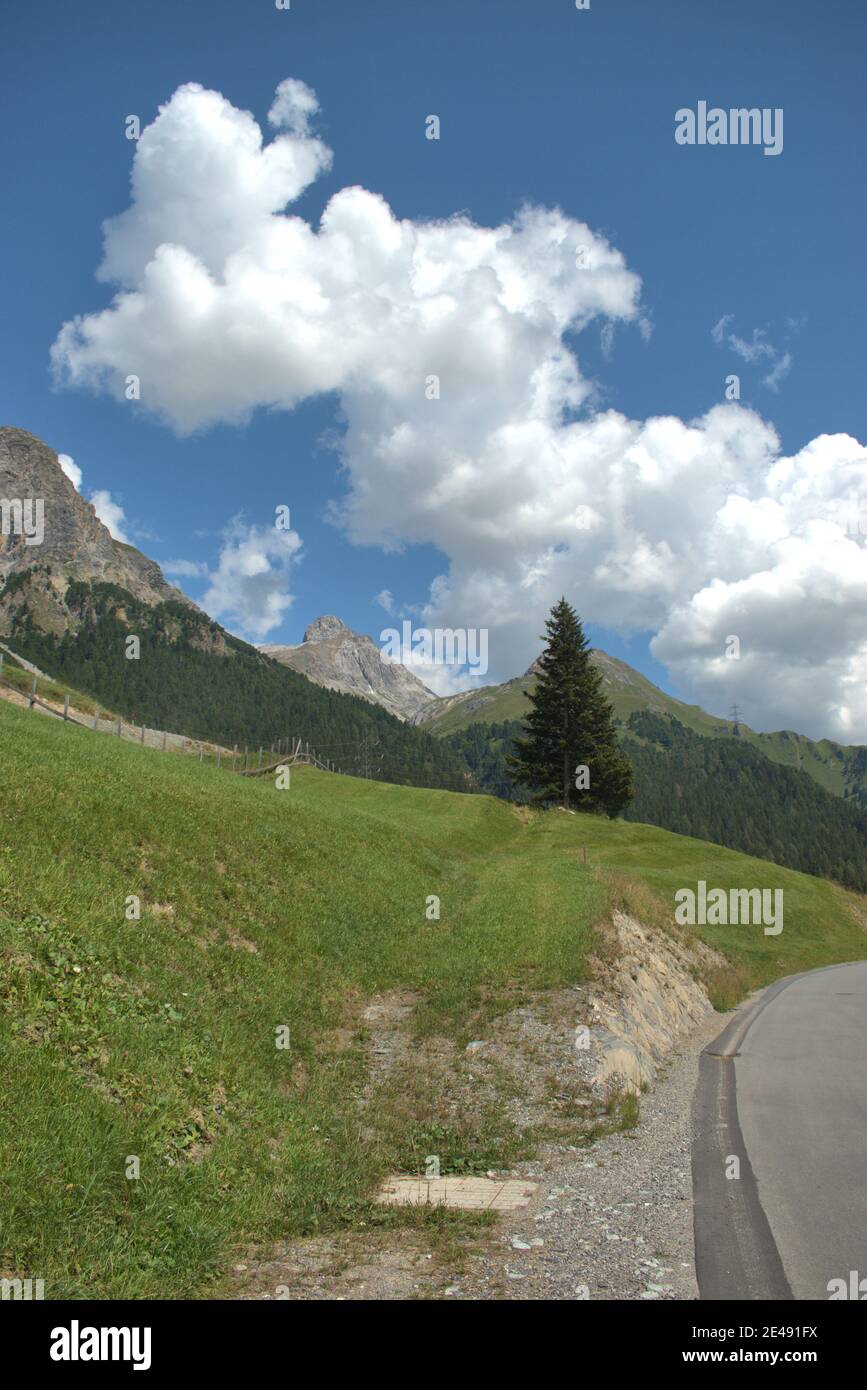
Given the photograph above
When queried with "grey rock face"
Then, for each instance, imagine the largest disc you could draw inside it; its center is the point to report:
(75, 544)
(340, 659)
(328, 626)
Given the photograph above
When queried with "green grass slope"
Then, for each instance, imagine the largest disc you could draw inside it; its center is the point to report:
(197, 680)
(13, 674)
(260, 909)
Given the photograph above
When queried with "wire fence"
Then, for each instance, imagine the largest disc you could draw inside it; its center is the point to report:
(256, 761)
(363, 758)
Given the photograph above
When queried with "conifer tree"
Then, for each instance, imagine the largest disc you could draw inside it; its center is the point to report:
(571, 753)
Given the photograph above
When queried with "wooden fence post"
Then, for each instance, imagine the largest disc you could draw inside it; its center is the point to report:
(66, 706)
(142, 733)
(219, 751)
(96, 718)
(32, 694)
(234, 755)
(119, 724)
(165, 737)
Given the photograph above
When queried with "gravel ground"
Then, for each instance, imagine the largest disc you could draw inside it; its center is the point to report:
(611, 1219)
(614, 1221)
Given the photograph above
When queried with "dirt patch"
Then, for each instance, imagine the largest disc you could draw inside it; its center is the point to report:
(541, 1093)
(15, 697)
(239, 942)
(615, 1221)
(373, 1266)
(382, 1023)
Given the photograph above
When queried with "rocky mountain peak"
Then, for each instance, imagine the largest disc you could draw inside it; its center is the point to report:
(340, 659)
(69, 543)
(325, 627)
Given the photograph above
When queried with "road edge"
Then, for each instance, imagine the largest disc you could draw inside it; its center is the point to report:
(736, 1256)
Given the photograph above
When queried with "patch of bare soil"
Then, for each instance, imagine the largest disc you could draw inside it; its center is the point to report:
(537, 1097)
(394, 1264)
(17, 697)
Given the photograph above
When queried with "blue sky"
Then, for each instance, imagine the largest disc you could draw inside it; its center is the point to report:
(540, 104)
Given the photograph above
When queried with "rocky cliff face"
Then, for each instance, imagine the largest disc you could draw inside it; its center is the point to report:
(74, 543)
(340, 659)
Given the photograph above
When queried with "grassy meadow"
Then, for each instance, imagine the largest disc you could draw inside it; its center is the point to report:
(155, 1039)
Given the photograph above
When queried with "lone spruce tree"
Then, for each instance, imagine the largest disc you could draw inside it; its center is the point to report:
(571, 753)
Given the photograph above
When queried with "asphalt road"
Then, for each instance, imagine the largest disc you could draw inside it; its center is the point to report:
(784, 1091)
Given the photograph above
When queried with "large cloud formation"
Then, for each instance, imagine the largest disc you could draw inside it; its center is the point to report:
(468, 422)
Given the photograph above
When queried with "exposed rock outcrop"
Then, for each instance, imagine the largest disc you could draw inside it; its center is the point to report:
(340, 659)
(75, 544)
(651, 1001)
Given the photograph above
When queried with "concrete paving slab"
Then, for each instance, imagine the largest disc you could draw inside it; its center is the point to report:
(479, 1194)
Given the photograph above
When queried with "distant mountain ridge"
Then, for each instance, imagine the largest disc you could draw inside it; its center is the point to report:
(838, 768)
(79, 576)
(69, 603)
(334, 656)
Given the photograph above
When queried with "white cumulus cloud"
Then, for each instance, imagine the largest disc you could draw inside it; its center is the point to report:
(468, 423)
(249, 589)
(71, 469)
(385, 599)
(227, 303)
(185, 569)
(110, 513)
